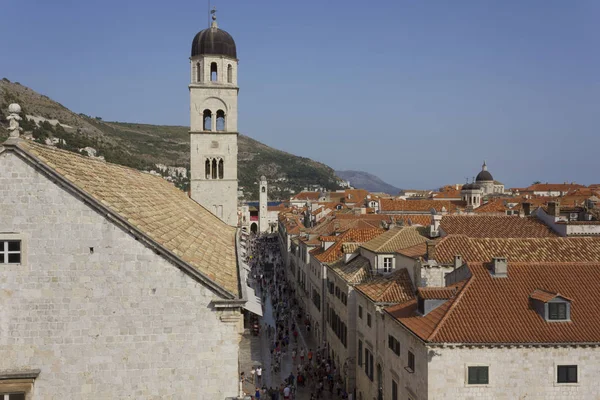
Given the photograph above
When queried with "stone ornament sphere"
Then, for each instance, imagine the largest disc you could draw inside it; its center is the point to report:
(263, 178)
(14, 108)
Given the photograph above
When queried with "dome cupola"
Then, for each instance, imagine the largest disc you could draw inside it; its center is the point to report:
(484, 175)
(214, 41)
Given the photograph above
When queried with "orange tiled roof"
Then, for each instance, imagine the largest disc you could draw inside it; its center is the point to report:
(334, 252)
(545, 296)
(495, 226)
(498, 310)
(549, 249)
(447, 192)
(314, 196)
(394, 288)
(355, 195)
(415, 251)
(554, 187)
(493, 206)
(423, 206)
(437, 292)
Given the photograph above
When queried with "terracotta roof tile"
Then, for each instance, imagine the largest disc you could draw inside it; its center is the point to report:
(423, 206)
(437, 292)
(543, 295)
(417, 251)
(554, 187)
(334, 252)
(495, 226)
(313, 196)
(394, 288)
(396, 239)
(518, 249)
(356, 271)
(155, 207)
(498, 310)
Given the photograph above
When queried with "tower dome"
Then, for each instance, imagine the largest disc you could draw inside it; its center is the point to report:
(484, 175)
(214, 41)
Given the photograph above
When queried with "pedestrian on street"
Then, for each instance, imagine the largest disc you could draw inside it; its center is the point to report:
(257, 394)
(259, 374)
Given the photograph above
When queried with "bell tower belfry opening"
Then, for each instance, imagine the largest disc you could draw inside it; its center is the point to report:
(213, 122)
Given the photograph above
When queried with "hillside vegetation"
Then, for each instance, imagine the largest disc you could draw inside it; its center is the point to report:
(142, 146)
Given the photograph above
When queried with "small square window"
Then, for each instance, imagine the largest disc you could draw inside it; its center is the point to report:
(411, 362)
(567, 374)
(478, 376)
(10, 252)
(557, 311)
(387, 264)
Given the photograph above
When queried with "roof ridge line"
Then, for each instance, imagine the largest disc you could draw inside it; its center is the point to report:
(452, 307)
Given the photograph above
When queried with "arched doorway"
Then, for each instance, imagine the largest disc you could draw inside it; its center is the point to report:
(254, 227)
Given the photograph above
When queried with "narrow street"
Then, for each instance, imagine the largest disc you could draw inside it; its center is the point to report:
(285, 360)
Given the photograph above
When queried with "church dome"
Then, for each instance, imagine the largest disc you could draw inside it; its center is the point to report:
(484, 175)
(214, 41)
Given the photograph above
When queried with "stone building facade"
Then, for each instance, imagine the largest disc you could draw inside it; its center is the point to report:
(98, 301)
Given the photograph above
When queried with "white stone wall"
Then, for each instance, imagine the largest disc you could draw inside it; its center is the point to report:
(344, 355)
(369, 337)
(431, 275)
(413, 384)
(118, 322)
(317, 314)
(514, 373)
(409, 263)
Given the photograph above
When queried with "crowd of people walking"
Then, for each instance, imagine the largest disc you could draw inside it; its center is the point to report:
(312, 374)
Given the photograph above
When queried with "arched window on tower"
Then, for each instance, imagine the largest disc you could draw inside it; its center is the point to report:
(214, 168)
(220, 120)
(213, 72)
(198, 72)
(221, 169)
(207, 120)
(229, 73)
(264, 189)
(207, 168)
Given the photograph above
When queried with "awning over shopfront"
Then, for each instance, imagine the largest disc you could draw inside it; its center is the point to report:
(254, 304)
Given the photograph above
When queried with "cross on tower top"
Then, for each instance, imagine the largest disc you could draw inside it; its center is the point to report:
(213, 13)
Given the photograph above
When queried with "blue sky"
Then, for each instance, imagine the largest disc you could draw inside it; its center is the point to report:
(416, 92)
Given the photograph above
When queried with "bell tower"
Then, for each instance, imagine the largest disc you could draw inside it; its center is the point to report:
(263, 205)
(213, 122)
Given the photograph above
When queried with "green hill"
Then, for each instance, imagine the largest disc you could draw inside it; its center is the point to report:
(142, 146)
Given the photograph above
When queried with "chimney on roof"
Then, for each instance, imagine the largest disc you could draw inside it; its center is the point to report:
(458, 262)
(499, 267)
(434, 228)
(554, 208)
(526, 208)
(430, 250)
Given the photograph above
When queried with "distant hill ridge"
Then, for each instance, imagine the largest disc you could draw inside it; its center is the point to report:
(142, 146)
(370, 182)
